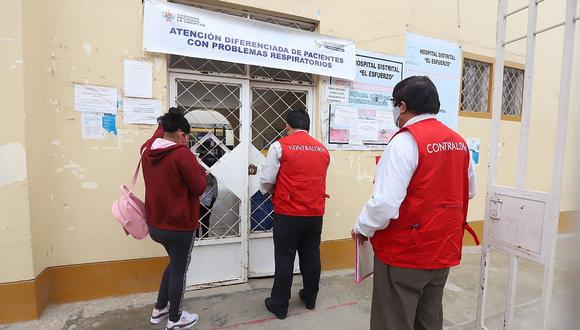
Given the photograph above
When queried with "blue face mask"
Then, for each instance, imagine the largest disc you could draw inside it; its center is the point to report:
(397, 115)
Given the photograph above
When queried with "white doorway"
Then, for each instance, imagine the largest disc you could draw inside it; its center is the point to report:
(234, 122)
(270, 103)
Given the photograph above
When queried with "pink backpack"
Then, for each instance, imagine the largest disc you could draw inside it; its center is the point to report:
(129, 210)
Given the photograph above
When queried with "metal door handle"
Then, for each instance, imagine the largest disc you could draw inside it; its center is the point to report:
(252, 169)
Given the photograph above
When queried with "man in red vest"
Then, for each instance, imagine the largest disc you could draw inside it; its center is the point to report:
(417, 214)
(295, 170)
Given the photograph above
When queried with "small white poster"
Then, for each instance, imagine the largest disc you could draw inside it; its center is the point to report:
(337, 94)
(92, 126)
(138, 79)
(141, 111)
(367, 130)
(90, 98)
(344, 117)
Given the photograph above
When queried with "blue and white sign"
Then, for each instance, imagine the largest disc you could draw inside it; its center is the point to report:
(440, 60)
(188, 31)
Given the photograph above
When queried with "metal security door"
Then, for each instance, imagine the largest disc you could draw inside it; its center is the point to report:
(518, 221)
(218, 111)
(269, 105)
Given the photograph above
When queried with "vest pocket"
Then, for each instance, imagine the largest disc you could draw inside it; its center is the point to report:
(308, 191)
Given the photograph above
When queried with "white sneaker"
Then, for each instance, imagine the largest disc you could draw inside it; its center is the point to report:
(186, 321)
(159, 315)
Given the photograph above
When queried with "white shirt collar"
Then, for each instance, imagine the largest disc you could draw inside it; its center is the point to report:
(419, 118)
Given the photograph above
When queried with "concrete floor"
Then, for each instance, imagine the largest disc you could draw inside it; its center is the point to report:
(341, 304)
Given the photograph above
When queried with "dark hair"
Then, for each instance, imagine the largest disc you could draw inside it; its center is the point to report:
(419, 93)
(298, 119)
(174, 120)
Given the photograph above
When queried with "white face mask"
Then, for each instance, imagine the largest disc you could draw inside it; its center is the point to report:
(397, 115)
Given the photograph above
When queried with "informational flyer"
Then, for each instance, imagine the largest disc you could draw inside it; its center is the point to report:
(473, 145)
(364, 121)
(110, 123)
(440, 60)
(92, 126)
(141, 111)
(90, 98)
(138, 79)
(336, 94)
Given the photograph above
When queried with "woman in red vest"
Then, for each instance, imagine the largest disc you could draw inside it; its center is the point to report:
(417, 214)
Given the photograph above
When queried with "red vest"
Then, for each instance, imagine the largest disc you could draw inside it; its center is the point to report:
(300, 188)
(429, 231)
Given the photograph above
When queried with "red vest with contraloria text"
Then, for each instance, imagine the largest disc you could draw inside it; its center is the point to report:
(432, 218)
(300, 188)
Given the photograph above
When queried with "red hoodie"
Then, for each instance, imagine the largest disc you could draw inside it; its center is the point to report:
(174, 180)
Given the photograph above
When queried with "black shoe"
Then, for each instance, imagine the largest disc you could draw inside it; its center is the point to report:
(269, 307)
(309, 305)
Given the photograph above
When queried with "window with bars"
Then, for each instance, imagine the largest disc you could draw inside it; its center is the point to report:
(476, 96)
(513, 92)
(476, 86)
(237, 69)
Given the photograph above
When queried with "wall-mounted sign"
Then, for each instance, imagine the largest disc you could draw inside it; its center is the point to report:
(188, 31)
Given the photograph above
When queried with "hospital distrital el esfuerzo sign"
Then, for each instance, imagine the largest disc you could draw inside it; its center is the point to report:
(188, 31)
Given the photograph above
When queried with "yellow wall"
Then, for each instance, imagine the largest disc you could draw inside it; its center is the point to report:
(49, 45)
(15, 233)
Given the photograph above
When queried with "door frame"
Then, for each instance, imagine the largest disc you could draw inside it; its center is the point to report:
(309, 105)
(245, 142)
(310, 109)
(244, 138)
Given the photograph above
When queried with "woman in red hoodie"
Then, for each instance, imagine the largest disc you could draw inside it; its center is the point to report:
(174, 181)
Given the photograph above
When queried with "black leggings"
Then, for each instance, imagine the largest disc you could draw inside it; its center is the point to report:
(178, 245)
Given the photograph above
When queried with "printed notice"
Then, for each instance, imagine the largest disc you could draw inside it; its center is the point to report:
(367, 130)
(110, 123)
(141, 111)
(344, 117)
(90, 98)
(92, 126)
(138, 79)
(337, 94)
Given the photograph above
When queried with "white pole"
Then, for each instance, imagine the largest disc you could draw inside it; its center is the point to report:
(492, 163)
(511, 293)
(527, 95)
(554, 204)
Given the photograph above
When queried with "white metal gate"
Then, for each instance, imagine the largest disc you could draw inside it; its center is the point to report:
(270, 104)
(518, 221)
(234, 122)
(218, 111)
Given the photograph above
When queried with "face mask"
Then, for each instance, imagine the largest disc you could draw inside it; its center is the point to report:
(397, 115)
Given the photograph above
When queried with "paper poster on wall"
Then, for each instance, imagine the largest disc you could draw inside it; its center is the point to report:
(440, 60)
(92, 126)
(473, 145)
(365, 120)
(336, 94)
(141, 111)
(138, 79)
(90, 98)
(110, 123)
